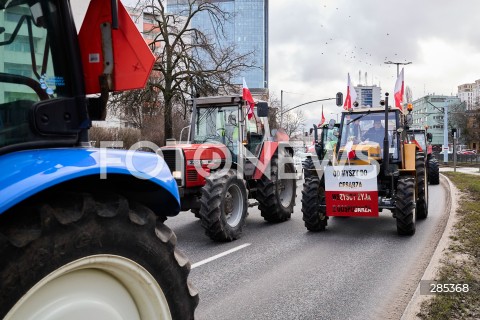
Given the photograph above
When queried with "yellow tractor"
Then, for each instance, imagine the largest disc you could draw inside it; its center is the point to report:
(374, 167)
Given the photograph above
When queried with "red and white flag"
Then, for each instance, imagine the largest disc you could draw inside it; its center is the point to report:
(399, 90)
(247, 96)
(351, 95)
(323, 119)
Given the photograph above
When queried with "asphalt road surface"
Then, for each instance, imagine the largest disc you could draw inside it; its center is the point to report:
(358, 269)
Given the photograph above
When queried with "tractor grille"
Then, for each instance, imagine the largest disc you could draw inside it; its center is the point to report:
(192, 175)
(175, 161)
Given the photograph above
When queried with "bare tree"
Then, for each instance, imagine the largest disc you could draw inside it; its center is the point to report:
(471, 131)
(274, 112)
(137, 107)
(293, 121)
(458, 118)
(189, 62)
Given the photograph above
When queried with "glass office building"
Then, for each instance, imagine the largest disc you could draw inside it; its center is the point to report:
(247, 29)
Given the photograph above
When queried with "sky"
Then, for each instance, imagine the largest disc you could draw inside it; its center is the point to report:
(314, 44)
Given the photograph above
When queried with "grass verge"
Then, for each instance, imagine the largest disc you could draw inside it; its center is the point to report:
(461, 262)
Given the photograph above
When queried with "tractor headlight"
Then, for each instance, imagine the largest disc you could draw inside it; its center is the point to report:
(177, 174)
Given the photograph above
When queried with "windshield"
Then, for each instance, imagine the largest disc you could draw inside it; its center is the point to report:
(330, 138)
(27, 74)
(369, 128)
(217, 124)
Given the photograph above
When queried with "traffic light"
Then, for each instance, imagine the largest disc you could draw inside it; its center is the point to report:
(454, 130)
(339, 99)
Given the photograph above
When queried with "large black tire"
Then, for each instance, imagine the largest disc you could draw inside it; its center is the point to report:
(224, 206)
(307, 166)
(313, 195)
(422, 186)
(405, 206)
(85, 237)
(433, 171)
(276, 197)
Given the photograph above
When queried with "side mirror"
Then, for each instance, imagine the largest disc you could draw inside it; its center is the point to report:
(429, 137)
(339, 99)
(409, 119)
(262, 109)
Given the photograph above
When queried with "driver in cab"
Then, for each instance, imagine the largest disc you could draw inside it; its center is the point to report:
(375, 133)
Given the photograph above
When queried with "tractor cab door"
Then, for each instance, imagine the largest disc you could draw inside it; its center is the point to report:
(253, 141)
(255, 134)
(39, 102)
(231, 134)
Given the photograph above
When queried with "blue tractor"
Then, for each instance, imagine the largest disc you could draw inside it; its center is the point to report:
(82, 230)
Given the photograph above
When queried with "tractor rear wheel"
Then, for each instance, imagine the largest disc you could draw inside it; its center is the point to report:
(224, 206)
(405, 206)
(433, 171)
(276, 196)
(78, 256)
(313, 195)
(422, 186)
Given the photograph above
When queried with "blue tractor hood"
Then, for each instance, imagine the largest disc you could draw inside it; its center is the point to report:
(26, 173)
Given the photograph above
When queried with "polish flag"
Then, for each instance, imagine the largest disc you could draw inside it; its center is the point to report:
(247, 96)
(351, 95)
(399, 90)
(323, 119)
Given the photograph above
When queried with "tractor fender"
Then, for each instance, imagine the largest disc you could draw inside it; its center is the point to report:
(409, 150)
(268, 150)
(143, 175)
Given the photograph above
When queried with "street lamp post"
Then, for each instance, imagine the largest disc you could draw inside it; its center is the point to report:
(281, 108)
(445, 133)
(398, 64)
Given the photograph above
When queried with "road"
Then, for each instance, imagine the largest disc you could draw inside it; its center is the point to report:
(358, 269)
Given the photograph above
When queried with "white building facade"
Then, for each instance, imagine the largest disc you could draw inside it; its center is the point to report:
(368, 96)
(470, 94)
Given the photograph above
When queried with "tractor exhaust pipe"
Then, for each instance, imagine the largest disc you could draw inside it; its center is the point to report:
(386, 152)
(115, 14)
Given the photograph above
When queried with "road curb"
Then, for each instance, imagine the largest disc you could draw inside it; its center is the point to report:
(413, 307)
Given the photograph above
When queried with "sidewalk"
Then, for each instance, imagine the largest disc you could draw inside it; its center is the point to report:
(468, 170)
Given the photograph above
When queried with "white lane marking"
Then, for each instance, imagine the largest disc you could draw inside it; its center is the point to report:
(197, 264)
